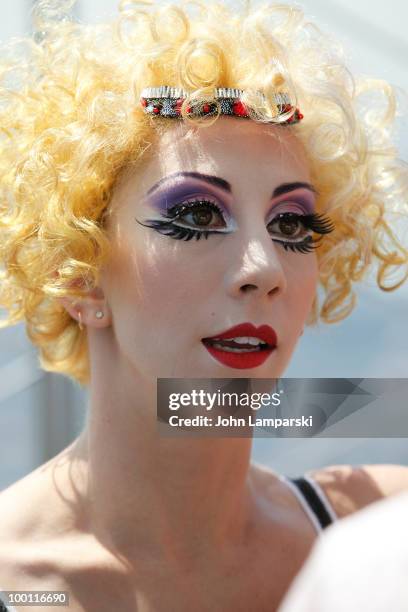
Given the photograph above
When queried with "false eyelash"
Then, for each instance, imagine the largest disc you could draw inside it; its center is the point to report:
(318, 223)
(175, 231)
(306, 246)
(183, 233)
(315, 222)
(176, 211)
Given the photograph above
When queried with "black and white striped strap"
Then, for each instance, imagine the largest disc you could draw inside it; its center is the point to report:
(313, 500)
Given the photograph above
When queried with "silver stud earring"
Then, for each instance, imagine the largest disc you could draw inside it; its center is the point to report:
(99, 314)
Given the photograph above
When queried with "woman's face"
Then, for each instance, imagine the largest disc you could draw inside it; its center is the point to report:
(166, 294)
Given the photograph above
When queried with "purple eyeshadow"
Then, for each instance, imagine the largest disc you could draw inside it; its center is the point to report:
(305, 202)
(169, 197)
(299, 200)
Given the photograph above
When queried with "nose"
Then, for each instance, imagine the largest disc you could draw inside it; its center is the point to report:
(257, 269)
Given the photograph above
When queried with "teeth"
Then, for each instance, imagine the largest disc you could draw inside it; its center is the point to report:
(230, 349)
(245, 340)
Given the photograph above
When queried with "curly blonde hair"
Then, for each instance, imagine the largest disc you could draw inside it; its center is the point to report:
(70, 122)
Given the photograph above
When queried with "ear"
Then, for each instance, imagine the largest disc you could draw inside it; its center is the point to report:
(92, 310)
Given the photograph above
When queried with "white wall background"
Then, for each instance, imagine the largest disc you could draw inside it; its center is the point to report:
(41, 413)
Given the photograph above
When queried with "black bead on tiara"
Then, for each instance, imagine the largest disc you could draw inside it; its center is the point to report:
(166, 101)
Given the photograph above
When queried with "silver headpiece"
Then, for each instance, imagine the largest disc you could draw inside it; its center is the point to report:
(166, 101)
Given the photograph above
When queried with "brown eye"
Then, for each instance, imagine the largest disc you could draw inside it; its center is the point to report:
(202, 217)
(199, 213)
(288, 225)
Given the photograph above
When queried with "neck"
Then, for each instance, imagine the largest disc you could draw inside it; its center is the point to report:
(176, 497)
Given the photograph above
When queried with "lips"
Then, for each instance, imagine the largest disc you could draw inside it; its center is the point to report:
(263, 332)
(248, 359)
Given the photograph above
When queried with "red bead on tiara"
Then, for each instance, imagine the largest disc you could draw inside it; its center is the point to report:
(166, 101)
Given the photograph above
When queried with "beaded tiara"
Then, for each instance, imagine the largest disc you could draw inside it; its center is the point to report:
(166, 101)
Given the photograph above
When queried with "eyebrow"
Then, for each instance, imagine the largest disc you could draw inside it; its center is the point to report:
(226, 186)
(286, 187)
(213, 180)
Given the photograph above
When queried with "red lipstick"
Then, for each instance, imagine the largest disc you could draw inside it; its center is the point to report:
(242, 355)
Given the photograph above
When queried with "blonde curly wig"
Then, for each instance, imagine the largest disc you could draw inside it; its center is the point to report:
(70, 123)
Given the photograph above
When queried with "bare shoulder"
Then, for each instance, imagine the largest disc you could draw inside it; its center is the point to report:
(40, 504)
(15, 527)
(21, 527)
(45, 543)
(18, 509)
(36, 527)
(350, 488)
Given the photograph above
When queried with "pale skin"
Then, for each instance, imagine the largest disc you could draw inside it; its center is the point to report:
(141, 522)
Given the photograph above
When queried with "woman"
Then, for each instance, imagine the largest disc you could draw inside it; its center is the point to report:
(129, 238)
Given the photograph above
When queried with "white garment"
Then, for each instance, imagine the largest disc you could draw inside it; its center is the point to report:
(360, 564)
